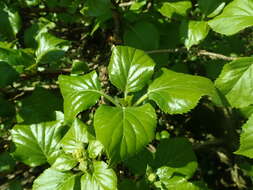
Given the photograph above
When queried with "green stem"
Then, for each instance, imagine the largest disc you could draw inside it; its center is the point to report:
(125, 95)
(110, 99)
(141, 99)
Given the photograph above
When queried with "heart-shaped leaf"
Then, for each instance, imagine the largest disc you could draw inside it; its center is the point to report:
(102, 178)
(37, 144)
(235, 17)
(79, 93)
(177, 93)
(235, 82)
(130, 69)
(124, 131)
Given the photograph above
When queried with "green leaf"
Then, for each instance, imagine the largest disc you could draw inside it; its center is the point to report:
(37, 144)
(79, 67)
(210, 7)
(177, 93)
(17, 59)
(35, 30)
(9, 108)
(50, 48)
(79, 93)
(32, 2)
(76, 136)
(138, 163)
(177, 156)
(52, 179)
(40, 106)
(246, 139)
(235, 17)
(137, 5)
(193, 32)
(15, 185)
(10, 19)
(246, 112)
(102, 178)
(169, 8)
(95, 149)
(235, 82)
(8, 74)
(127, 132)
(127, 184)
(180, 183)
(99, 7)
(130, 69)
(7, 163)
(142, 35)
(64, 162)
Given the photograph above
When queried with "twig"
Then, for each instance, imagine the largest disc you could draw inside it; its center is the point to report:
(53, 73)
(214, 142)
(126, 4)
(164, 51)
(216, 55)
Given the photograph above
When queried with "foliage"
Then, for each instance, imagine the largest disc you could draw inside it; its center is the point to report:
(109, 94)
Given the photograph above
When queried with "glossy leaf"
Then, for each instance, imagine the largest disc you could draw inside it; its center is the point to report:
(246, 139)
(193, 32)
(10, 19)
(17, 59)
(129, 129)
(56, 180)
(76, 136)
(79, 93)
(142, 35)
(235, 17)
(95, 148)
(102, 178)
(177, 93)
(35, 30)
(130, 69)
(180, 7)
(37, 144)
(235, 82)
(177, 156)
(50, 48)
(64, 162)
